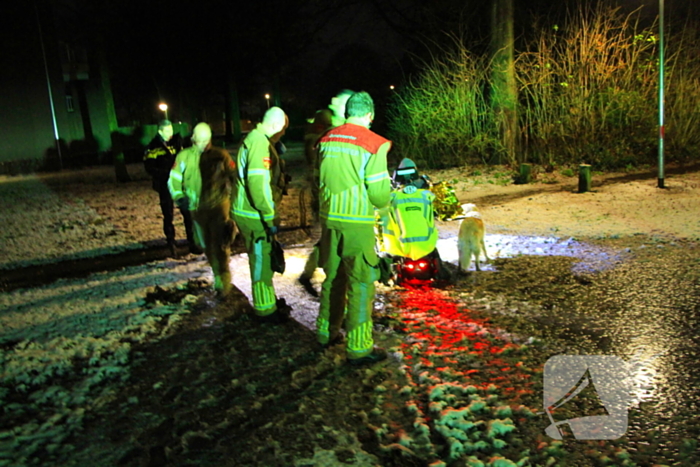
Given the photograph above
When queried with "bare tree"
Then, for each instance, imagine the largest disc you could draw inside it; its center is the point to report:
(503, 87)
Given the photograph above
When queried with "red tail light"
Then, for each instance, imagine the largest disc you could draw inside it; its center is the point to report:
(419, 271)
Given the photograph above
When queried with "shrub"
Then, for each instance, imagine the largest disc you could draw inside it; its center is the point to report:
(587, 89)
(442, 118)
(588, 93)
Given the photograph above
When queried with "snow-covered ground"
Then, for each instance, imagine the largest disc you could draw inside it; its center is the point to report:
(60, 340)
(86, 213)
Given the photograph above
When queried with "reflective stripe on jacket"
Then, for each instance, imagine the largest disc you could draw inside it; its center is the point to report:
(254, 165)
(409, 226)
(160, 156)
(353, 175)
(185, 179)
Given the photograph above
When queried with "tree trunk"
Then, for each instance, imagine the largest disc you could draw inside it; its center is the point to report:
(118, 159)
(504, 92)
(233, 114)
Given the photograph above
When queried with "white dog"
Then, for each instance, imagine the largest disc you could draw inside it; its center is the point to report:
(471, 238)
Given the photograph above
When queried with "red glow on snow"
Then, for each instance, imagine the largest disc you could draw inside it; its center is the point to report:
(452, 346)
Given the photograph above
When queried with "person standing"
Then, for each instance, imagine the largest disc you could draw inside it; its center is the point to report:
(158, 159)
(279, 179)
(353, 183)
(201, 181)
(258, 169)
(324, 120)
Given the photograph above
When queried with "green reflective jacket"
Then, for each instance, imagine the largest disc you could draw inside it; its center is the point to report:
(257, 165)
(185, 179)
(353, 176)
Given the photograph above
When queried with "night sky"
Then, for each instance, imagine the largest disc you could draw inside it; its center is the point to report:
(300, 51)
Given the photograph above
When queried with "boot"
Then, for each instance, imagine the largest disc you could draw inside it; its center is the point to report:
(279, 316)
(173, 249)
(378, 354)
(305, 282)
(336, 340)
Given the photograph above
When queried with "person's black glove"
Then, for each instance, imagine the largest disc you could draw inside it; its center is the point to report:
(272, 230)
(183, 203)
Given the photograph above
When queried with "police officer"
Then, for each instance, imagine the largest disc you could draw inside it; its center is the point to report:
(353, 183)
(258, 169)
(158, 159)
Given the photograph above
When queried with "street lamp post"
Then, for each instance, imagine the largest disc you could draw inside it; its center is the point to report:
(267, 98)
(661, 94)
(164, 108)
(57, 138)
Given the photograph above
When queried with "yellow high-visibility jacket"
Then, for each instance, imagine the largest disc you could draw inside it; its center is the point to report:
(408, 226)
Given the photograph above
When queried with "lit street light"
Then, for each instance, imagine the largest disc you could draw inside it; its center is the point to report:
(164, 108)
(267, 98)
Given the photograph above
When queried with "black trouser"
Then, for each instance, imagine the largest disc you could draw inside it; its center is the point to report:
(167, 208)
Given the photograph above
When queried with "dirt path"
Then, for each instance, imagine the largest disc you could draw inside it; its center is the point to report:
(620, 204)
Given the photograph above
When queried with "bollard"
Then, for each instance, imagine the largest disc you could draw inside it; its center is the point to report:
(524, 177)
(120, 168)
(584, 178)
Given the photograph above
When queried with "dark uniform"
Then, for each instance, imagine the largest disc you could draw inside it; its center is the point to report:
(158, 160)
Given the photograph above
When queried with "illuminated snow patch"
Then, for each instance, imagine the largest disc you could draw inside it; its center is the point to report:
(304, 306)
(594, 258)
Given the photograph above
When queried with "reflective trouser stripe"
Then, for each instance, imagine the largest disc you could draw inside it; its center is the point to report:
(360, 341)
(256, 263)
(348, 290)
(258, 248)
(263, 298)
(322, 325)
(359, 326)
(333, 300)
